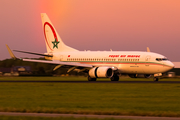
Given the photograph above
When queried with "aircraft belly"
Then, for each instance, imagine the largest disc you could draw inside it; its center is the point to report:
(131, 68)
(152, 69)
(104, 64)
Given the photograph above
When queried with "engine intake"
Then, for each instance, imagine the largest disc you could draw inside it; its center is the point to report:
(102, 72)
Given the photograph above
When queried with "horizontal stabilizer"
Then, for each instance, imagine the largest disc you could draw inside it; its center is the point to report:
(34, 53)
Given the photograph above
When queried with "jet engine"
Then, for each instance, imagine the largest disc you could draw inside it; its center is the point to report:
(101, 72)
(140, 75)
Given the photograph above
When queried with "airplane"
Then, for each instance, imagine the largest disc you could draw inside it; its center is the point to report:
(98, 64)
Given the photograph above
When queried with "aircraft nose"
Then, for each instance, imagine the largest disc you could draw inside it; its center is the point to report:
(171, 65)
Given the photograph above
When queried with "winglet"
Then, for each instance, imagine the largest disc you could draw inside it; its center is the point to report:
(10, 52)
(148, 50)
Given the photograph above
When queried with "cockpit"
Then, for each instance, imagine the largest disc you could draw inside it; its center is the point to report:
(161, 59)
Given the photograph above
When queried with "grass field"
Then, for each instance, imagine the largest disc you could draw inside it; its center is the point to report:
(79, 78)
(146, 99)
(51, 118)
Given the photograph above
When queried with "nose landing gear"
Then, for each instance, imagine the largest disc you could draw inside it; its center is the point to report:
(157, 76)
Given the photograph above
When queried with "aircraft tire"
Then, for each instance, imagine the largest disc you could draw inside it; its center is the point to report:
(91, 79)
(115, 78)
(155, 79)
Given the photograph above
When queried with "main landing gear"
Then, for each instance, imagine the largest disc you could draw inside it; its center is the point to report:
(91, 79)
(155, 79)
(115, 78)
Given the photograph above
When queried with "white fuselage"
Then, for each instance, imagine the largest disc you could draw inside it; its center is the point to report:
(129, 62)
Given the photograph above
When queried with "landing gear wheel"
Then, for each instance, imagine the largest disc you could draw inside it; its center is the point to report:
(115, 78)
(91, 79)
(155, 79)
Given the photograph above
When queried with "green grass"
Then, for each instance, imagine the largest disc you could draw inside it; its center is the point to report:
(51, 118)
(146, 99)
(65, 78)
(79, 78)
(61, 78)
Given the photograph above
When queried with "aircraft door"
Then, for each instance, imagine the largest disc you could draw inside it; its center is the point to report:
(147, 69)
(61, 58)
(147, 60)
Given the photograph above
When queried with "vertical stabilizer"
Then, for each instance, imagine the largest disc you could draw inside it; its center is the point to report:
(52, 39)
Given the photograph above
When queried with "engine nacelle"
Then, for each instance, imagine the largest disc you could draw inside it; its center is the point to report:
(101, 72)
(139, 75)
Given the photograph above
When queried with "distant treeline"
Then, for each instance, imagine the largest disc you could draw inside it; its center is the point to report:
(37, 68)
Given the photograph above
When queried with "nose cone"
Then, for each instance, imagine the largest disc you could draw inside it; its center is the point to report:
(171, 65)
(167, 66)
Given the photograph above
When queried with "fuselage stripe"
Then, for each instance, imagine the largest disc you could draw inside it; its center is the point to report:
(110, 62)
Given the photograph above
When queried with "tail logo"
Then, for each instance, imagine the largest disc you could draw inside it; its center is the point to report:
(55, 42)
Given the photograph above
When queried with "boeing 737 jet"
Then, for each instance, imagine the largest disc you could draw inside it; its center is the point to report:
(98, 64)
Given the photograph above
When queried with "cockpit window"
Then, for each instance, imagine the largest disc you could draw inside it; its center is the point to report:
(161, 59)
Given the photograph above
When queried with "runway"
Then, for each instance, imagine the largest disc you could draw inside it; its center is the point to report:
(45, 81)
(87, 116)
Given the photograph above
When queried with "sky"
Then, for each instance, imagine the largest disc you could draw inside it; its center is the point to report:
(120, 25)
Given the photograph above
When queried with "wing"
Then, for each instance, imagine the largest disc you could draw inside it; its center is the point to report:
(59, 64)
(56, 62)
(10, 52)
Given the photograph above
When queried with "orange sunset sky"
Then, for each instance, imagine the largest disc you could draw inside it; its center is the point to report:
(121, 25)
